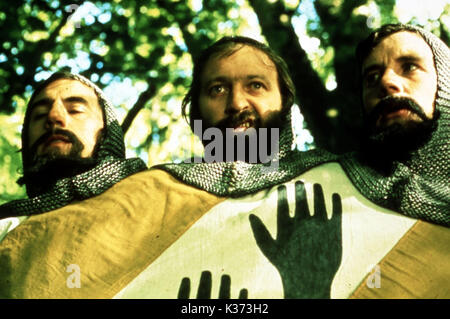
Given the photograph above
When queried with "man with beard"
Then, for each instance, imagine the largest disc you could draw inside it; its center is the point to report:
(398, 72)
(72, 146)
(240, 93)
(74, 162)
(404, 163)
(59, 112)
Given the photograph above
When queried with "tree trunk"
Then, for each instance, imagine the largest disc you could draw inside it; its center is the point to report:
(314, 99)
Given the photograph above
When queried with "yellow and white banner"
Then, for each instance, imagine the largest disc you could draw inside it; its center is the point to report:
(151, 236)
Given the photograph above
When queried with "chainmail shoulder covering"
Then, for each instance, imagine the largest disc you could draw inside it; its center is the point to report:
(85, 185)
(239, 178)
(419, 187)
(111, 167)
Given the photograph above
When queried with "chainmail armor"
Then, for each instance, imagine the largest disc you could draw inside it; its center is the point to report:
(239, 178)
(111, 168)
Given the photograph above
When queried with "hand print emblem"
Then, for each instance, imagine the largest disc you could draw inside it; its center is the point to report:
(205, 285)
(307, 250)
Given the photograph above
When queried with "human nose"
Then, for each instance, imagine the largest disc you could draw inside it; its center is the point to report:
(57, 115)
(390, 83)
(237, 100)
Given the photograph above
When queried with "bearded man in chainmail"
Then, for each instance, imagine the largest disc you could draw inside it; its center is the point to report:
(241, 89)
(72, 149)
(72, 146)
(404, 164)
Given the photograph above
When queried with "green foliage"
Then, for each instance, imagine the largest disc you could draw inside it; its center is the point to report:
(10, 159)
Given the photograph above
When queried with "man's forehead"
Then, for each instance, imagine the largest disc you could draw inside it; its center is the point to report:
(244, 49)
(225, 60)
(66, 86)
(66, 89)
(400, 44)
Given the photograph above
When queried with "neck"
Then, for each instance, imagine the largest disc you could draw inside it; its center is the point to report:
(397, 144)
(251, 146)
(43, 175)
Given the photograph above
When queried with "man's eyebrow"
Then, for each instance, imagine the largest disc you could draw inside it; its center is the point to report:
(410, 58)
(215, 79)
(258, 76)
(43, 101)
(225, 79)
(47, 101)
(75, 99)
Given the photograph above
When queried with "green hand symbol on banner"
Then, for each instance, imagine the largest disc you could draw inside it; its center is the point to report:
(204, 287)
(307, 250)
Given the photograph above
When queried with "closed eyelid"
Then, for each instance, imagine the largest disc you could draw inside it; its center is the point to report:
(39, 108)
(77, 106)
(36, 114)
(47, 102)
(76, 110)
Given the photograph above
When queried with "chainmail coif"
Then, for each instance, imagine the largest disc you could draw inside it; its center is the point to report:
(417, 188)
(111, 167)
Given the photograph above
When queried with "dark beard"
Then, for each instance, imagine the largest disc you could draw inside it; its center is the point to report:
(383, 145)
(46, 169)
(274, 120)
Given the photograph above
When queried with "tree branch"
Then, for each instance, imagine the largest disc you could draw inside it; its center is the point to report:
(30, 61)
(144, 97)
(444, 34)
(313, 98)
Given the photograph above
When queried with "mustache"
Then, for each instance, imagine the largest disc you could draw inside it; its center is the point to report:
(392, 104)
(236, 119)
(71, 137)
